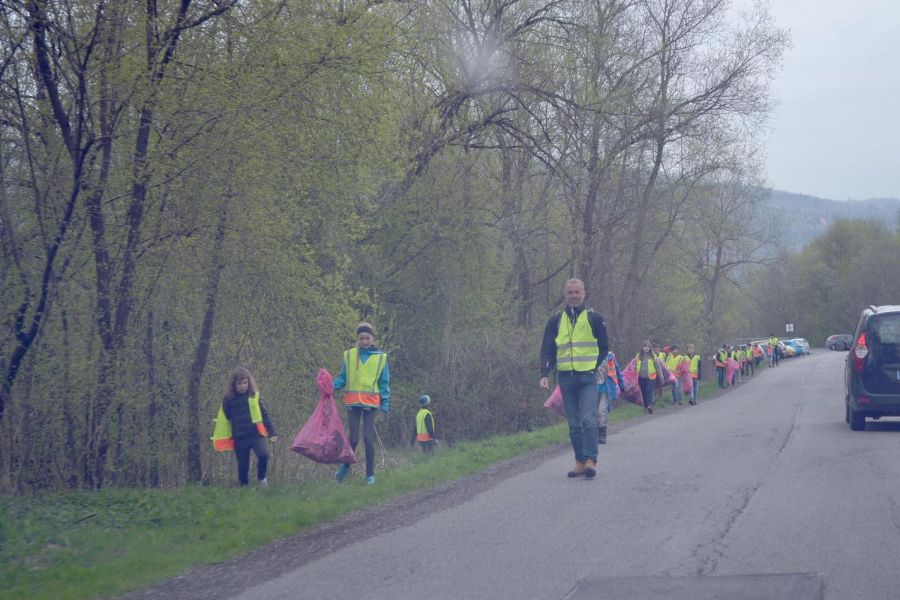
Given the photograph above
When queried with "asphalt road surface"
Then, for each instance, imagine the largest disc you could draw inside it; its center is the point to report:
(760, 493)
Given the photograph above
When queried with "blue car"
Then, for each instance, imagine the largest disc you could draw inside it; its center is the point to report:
(800, 346)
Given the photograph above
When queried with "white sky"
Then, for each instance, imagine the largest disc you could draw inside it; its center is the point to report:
(836, 130)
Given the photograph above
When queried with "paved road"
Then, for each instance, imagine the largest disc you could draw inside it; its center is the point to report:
(762, 493)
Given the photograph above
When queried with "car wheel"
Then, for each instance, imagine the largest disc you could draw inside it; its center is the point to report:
(857, 420)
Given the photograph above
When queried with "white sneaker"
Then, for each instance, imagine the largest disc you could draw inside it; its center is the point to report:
(264, 482)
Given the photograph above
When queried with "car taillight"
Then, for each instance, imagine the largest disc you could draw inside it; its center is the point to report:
(860, 352)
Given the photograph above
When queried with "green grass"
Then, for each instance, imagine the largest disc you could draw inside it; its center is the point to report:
(93, 544)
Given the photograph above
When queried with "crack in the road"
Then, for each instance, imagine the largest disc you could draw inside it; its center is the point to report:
(715, 549)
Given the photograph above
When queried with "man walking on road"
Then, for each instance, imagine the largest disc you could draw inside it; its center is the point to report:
(574, 342)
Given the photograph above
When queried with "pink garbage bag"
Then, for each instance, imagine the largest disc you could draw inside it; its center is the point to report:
(731, 366)
(664, 375)
(684, 373)
(632, 391)
(555, 402)
(323, 438)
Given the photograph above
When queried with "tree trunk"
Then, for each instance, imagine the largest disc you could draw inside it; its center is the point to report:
(194, 450)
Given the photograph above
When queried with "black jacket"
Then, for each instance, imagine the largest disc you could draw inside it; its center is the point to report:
(237, 410)
(548, 344)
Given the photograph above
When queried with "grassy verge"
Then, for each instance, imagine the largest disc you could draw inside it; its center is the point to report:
(93, 544)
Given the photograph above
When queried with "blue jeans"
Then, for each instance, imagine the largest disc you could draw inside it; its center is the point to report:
(579, 392)
(720, 373)
(696, 384)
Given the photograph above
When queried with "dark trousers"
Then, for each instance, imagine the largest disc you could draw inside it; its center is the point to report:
(720, 373)
(242, 449)
(368, 416)
(647, 386)
(427, 447)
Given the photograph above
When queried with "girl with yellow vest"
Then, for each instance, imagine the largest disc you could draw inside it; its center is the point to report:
(366, 380)
(243, 424)
(645, 367)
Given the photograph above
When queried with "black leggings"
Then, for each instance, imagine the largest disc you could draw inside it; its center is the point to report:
(242, 453)
(353, 415)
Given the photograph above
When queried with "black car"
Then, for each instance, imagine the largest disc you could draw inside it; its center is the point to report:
(839, 341)
(872, 370)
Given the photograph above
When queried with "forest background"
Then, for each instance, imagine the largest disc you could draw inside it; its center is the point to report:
(190, 186)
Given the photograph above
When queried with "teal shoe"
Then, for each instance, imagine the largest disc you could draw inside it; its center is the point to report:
(342, 472)
(370, 480)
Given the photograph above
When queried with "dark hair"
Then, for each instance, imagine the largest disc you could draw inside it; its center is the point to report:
(647, 343)
(236, 375)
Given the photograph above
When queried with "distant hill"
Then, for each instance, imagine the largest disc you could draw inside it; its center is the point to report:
(803, 218)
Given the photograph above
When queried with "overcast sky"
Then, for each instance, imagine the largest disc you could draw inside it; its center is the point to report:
(836, 131)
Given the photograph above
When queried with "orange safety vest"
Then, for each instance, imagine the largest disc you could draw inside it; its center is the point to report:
(611, 371)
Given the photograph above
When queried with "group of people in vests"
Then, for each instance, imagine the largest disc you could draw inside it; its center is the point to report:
(687, 369)
(243, 423)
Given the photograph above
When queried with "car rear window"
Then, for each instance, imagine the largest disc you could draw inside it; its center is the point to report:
(886, 330)
(882, 371)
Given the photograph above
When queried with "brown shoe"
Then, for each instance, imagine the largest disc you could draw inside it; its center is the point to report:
(590, 468)
(578, 471)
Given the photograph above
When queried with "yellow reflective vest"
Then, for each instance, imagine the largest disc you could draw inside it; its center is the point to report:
(422, 434)
(651, 366)
(576, 346)
(221, 437)
(362, 379)
(695, 365)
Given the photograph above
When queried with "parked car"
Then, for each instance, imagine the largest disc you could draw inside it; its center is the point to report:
(788, 351)
(839, 341)
(872, 369)
(800, 346)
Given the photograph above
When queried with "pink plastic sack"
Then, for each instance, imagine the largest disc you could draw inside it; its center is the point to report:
(731, 366)
(555, 402)
(323, 438)
(684, 373)
(632, 391)
(664, 375)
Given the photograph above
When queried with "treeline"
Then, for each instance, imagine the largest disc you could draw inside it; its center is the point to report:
(823, 289)
(196, 185)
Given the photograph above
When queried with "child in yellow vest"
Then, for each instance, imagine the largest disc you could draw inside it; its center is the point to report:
(425, 426)
(365, 379)
(243, 424)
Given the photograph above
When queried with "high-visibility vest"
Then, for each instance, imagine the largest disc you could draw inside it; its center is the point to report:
(773, 341)
(757, 351)
(612, 372)
(695, 366)
(362, 378)
(576, 346)
(673, 361)
(662, 356)
(421, 430)
(651, 366)
(221, 437)
(749, 353)
(721, 358)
